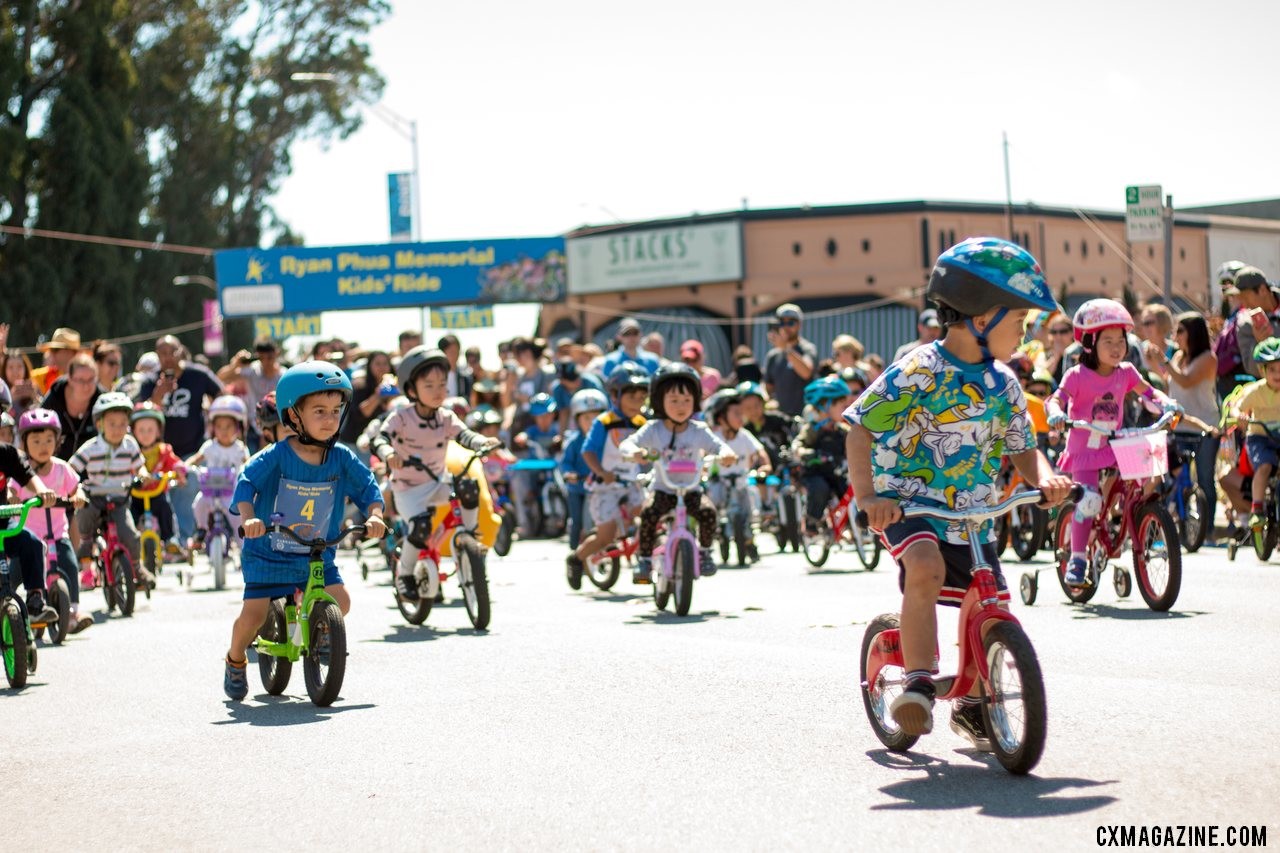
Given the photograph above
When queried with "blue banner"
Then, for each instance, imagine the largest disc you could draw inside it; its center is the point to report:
(400, 205)
(307, 280)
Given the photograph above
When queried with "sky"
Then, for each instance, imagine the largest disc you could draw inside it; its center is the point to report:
(535, 118)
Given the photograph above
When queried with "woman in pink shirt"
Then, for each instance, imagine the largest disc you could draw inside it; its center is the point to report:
(692, 354)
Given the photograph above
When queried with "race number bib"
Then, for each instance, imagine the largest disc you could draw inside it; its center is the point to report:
(306, 509)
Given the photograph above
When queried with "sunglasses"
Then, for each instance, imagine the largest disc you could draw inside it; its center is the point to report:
(1065, 331)
(790, 323)
(115, 363)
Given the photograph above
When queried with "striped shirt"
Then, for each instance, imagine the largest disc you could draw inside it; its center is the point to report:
(107, 470)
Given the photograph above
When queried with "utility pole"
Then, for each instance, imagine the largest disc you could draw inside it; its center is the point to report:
(1168, 252)
(1008, 190)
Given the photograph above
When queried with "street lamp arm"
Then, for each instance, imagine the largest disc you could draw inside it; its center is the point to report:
(183, 280)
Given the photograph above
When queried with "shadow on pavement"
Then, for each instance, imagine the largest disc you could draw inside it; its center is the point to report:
(666, 617)
(282, 711)
(1110, 611)
(617, 597)
(983, 785)
(423, 634)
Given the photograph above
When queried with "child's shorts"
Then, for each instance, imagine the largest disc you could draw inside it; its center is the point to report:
(286, 590)
(605, 501)
(1262, 451)
(901, 535)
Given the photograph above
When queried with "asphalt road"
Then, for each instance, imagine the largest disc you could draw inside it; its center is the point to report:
(587, 721)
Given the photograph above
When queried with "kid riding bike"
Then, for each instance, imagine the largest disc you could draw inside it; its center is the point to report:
(939, 421)
(996, 658)
(1129, 507)
(427, 543)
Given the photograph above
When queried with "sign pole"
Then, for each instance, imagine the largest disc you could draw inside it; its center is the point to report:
(1168, 252)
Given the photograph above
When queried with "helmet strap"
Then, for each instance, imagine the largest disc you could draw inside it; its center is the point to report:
(981, 337)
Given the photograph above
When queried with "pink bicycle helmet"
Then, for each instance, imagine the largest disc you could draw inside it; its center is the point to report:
(1098, 314)
(229, 406)
(34, 419)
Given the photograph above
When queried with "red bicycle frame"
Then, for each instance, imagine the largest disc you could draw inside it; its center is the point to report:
(112, 544)
(626, 546)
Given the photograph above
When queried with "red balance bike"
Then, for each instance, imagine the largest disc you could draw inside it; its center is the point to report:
(994, 651)
(114, 567)
(468, 554)
(840, 528)
(604, 566)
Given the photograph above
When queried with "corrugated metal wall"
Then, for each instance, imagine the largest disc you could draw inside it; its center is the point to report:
(881, 329)
(715, 342)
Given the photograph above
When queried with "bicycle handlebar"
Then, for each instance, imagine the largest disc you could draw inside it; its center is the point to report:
(317, 544)
(17, 510)
(1159, 425)
(977, 514)
(162, 484)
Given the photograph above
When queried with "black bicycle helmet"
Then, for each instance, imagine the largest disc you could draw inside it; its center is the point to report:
(718, 402)
(268, 414)
(674, 375)
(414, 362)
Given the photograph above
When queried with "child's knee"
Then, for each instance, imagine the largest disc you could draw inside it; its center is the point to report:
(339, 593)
(924, 568)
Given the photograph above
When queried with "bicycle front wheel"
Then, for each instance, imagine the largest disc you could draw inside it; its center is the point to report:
(326, 660)
(1157, 559)
(1194, 525)
(817, 547)
(217, 551)
(13, 645)
(123, 588)
(603, 571)
(275, 671)
(1016, 711)
(1076, 594)
(475, 585)
(682, 568)
(60, 600)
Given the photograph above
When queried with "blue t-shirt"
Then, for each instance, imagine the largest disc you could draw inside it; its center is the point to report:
(563, 395)
(941, 427)
(572, 462)
(308, 495)
(645, 360)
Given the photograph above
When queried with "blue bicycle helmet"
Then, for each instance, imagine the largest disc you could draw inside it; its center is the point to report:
(626, 376)
(751, 389)
(542, 404)
(311, 377)
(982, 273)
(820, 393)
(1267, 351)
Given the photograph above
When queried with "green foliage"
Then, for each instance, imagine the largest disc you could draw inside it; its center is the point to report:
(157, 120)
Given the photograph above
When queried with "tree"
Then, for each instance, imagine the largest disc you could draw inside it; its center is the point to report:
(167, 120)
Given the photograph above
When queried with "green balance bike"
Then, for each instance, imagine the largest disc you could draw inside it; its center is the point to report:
(306, 627)
(17, 642)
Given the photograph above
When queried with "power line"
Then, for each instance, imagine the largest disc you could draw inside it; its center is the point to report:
(152, 245)
(140, 336)
(651, 317)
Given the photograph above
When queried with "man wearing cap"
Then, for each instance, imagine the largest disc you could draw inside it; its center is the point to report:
(460, 379)
(629, 350)
(180, 391)
(790, 364)
(569, 381)
(59, 350)
(692, 354)
(1258, 317)
(927, 327)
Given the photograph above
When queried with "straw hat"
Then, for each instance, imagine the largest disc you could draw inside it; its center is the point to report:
(62, 339)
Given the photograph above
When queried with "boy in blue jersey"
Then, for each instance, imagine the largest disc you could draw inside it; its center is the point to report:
(305, 478)
(933, 429)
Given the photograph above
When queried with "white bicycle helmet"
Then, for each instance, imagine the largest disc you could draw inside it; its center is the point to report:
(231, 407)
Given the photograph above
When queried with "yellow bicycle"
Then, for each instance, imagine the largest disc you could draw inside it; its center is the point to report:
(149, 526)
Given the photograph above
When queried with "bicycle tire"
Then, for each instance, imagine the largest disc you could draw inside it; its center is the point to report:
(1153, 521)
(13, 644)
(535, 519)
(60, 600)
(325, 664)
(416, 612)
(722, 538)
(556, 519)
(275, 671)
(216, 548)
(661, 589)
(740, 529)
(816, 548)
(1075, 594)
(108, 593)
(1193, 525)
(1017, 739)
(475, 583)
(152, 553)
(1002, 534)
(604, 571)
(875, 698)
(125, 587)
(1030, 533)
(682, 583)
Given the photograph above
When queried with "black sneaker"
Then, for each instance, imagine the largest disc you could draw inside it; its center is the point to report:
(968, 722)
(707, 563)
(35, 604)
(753, 556)
(407, 587)
(573, 570)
